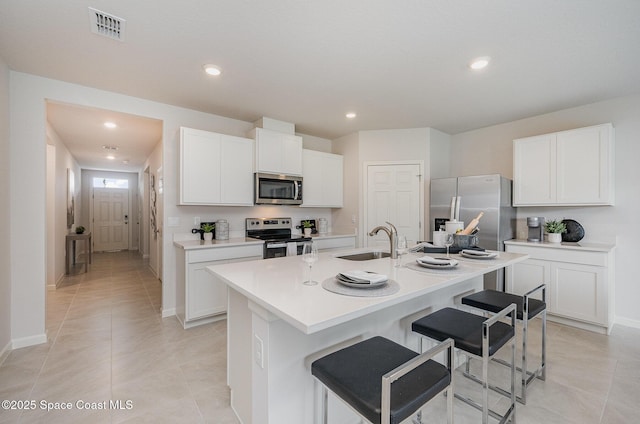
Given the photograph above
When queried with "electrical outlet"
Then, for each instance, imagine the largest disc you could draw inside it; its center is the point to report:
(196, 221)
(353, 219)
(258, 351)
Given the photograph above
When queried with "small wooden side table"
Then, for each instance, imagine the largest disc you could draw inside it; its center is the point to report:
(70, 245)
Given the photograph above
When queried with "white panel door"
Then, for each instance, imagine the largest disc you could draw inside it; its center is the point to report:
(393, 195)
(110, 219)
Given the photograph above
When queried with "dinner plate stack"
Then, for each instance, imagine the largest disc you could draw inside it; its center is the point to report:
(436, 263)
(478, 254)
(361, 279)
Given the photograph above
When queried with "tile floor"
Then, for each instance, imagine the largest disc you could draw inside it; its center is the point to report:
(108, 342)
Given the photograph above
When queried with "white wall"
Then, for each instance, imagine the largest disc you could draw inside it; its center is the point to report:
(28, 94)
(63, 161)
(5, 242)
(490, 150)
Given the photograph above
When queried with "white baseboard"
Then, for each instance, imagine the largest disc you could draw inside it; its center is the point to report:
(627, 322)
(5, 352)
(60, 280)
(168, 312)
(28, 341)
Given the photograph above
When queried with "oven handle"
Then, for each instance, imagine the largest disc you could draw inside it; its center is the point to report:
(276, 245)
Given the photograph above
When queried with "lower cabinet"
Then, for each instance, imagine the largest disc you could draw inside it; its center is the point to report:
(579, 283)
(333, 243)
(201, 299)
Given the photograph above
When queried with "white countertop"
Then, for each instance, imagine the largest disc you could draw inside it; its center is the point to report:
(240, 241)
(594, 247)
(276, 285)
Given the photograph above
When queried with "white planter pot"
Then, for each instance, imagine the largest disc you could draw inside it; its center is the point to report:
(208, 236)
(307, 232)
(554, 237)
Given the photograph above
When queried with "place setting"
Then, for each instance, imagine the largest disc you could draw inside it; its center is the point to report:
(361, 283)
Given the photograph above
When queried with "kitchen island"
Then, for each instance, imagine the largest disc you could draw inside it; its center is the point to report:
(277, 326)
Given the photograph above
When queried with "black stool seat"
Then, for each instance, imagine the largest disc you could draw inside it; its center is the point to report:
(495, 301)
(355, 374)
(464, 328)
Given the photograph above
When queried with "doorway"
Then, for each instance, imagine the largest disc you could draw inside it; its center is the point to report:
(110, 219)
(393, 193)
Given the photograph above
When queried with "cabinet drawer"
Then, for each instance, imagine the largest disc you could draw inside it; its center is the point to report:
(562, 255)
(222, 253)
(335, 243)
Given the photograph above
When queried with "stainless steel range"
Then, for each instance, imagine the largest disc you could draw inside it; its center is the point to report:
(276, 233)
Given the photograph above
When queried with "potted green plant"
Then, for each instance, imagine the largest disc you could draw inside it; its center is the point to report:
(207, 229)
(306, 225)
(80, 229)
(554, 230)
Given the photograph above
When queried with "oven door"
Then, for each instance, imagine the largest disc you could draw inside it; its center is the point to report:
(278, 249)
(271, 189)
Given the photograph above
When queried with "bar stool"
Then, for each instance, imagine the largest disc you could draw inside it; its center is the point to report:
(383, 381)
(479, 337)
(493, 301)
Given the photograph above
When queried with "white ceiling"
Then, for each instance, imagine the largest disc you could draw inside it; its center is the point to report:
(398, 64)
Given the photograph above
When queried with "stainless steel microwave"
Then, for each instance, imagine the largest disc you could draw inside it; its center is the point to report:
(277, 189)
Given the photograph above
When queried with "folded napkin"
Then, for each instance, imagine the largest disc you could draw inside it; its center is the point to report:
(437, 261)
(479, 253)
(362, 277)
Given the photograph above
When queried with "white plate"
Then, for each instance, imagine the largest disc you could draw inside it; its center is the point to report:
(435, 266)
(491, 255)
(360, 285)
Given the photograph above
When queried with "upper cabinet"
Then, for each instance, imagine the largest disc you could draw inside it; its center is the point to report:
(567, 168)
(322, 179)
(215, 169)
(277, 152)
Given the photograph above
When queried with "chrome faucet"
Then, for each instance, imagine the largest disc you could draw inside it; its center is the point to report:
(393, 237)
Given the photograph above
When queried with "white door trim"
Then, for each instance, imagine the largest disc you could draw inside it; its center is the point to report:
(364, 189)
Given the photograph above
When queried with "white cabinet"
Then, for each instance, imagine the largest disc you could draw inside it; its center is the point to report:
(579, 281)
(215, 169)
(565, 168)
(276, 152)
(200, 298)
(333, 243)
(322, 179)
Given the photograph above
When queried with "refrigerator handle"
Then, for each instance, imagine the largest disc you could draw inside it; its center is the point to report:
(458, 199)
(453, 208)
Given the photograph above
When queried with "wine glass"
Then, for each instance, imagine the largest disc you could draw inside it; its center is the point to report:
(401, 248)
(309, 256)
(448, 241)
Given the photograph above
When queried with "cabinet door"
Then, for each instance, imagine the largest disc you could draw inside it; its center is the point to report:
(291, 154)
(333, 175)
(236, 171)
(268, 151)
(527, 275)
(205, 295)
(322, 179)
(579, 292)
(534, 170)
(583, 157)
(199, 167)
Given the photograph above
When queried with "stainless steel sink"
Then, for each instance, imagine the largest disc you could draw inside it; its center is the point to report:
(365, 256)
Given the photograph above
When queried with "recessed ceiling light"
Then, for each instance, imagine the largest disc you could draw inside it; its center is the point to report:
(125, 162)
(351, 115)
(212, 70)
(110, 125)
(480, 63)
(111, 157)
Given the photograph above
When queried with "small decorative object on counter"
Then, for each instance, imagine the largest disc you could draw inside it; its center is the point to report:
(208, 228)
(79, 229)
(575, 231)
(306, 228)
(222, 229)
(554, 230)
(472, 225)
(323, 227)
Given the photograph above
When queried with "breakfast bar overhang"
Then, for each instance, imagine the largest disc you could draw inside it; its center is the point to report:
(276, 326)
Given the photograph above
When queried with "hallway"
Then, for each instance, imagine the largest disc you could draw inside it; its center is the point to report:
(107, 341)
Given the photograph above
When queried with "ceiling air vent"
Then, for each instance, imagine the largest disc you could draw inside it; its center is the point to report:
(107, 25)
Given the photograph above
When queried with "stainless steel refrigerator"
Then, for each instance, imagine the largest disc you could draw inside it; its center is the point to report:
(471, 195)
